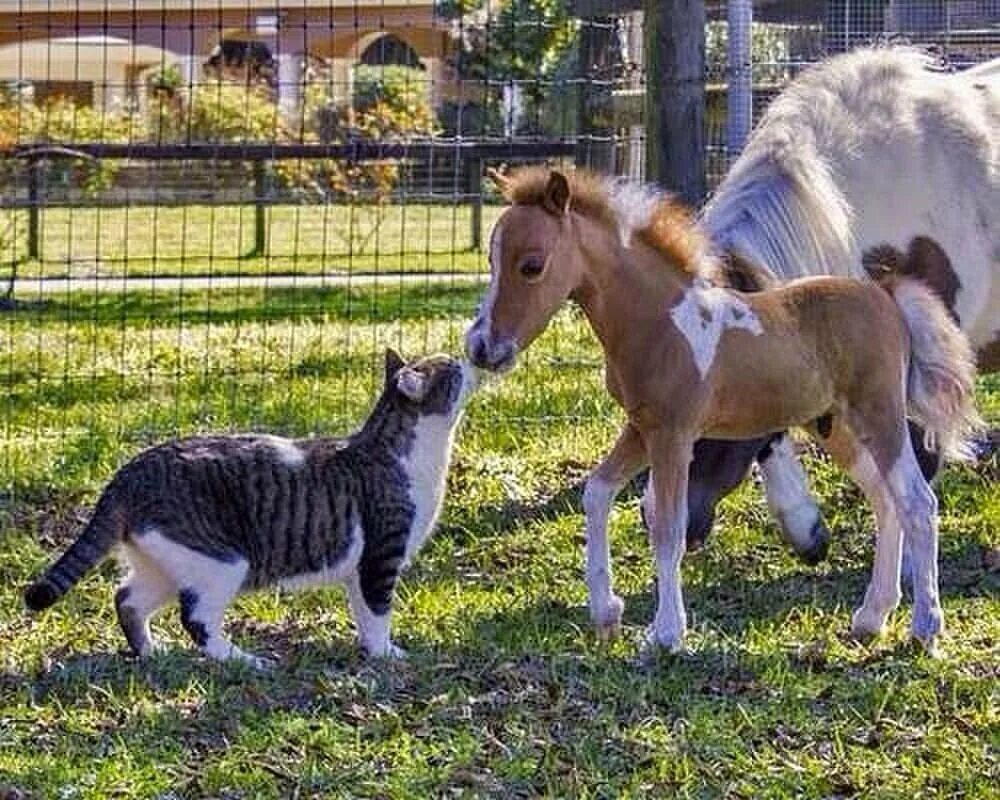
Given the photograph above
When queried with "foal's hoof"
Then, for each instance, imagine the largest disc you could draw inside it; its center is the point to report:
(864, 627)
(608, 633)
(653, 651)
(608, 619)
(926, 629)
(931, 646)
(819, 544)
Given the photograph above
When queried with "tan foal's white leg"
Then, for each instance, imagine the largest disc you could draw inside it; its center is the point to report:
(671, 458)
(625, 460)
(883, 593)
(917, 508)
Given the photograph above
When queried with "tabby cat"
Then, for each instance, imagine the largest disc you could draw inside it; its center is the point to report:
(205, 518)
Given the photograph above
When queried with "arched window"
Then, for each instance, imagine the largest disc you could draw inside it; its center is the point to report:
(390, 50)
(241, 59)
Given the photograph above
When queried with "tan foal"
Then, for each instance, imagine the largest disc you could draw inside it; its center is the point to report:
(686, 359)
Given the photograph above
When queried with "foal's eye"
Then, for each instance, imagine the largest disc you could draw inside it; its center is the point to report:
(532, 267)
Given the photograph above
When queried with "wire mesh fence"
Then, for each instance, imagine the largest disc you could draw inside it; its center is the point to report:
(215, 213)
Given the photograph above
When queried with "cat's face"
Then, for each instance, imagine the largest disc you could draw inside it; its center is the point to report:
(437, 384)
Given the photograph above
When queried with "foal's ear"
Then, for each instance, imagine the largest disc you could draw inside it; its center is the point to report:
(501, 181)
(556, 199)
(393, 363)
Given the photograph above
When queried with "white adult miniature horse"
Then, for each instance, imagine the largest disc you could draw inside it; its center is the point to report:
(869, 149)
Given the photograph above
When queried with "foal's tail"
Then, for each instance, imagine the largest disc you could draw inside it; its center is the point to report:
(940, 386)
(103, 532)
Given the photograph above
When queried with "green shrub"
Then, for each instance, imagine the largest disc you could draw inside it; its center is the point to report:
(400, 88)
(390, 104)
(219, 113)
(61, 121)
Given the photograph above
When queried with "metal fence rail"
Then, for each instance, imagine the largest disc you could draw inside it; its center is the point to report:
(247, 202)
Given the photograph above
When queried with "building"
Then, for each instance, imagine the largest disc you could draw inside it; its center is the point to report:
(101, 52)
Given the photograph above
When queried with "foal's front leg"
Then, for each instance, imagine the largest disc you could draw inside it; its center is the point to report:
(670, 455)
(622, 464)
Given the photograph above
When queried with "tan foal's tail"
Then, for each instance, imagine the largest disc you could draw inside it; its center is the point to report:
(940, 386)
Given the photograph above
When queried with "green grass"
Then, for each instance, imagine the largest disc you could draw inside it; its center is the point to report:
(219, 240)
(506, 691)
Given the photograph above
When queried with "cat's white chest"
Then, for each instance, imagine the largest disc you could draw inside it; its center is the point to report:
(426, 468)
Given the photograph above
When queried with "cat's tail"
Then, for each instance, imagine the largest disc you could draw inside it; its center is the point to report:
(104, 531)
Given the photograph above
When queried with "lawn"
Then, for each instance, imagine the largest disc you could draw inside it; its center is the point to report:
(506, 692)
(219, 240)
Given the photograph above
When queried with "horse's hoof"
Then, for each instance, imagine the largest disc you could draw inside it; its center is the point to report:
(819, 544)
(260, 663)
(930, 645)
(608, 633)
(657, 647)
(608, 619)
(388, 653)
(928, 624)
(864, 627)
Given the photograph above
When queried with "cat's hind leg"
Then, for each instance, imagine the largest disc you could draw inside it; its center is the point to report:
(145, 590)
(202, 609)
(206, 588)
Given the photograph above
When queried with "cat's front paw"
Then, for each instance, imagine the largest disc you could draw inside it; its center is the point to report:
(387, 651)
(261, 664)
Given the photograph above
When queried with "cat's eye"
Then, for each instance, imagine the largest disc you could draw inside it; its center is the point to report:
(532, 267)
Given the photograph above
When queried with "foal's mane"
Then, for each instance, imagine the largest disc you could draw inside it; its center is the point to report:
(634, 210)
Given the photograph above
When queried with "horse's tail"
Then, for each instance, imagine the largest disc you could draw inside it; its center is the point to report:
(105, 529)
(941, 382)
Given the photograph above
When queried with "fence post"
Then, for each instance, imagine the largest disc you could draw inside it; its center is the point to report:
(34, 212)
(600, 59)
(260, 208)
(739, 94)
(675, 96)
(474, 189)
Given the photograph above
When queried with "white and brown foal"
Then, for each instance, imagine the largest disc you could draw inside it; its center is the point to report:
(842, 358)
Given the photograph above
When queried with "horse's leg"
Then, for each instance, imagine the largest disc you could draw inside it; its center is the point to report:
(930, 463)
(670, 456)
(917, 508)
(791, 504)
(846, 445)
(717, 468)
(624, 461)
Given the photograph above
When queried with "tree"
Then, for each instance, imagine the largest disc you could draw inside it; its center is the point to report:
(527, 43)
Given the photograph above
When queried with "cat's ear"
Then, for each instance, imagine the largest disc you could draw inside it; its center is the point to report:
(393, 363)
(411, 383)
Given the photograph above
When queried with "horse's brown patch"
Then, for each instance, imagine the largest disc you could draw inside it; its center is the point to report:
(742, 274)
(988, 357)
(925, 260)
(670, 230)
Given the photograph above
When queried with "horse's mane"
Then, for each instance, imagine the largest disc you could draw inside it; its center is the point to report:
(783, 202)
(634, 210)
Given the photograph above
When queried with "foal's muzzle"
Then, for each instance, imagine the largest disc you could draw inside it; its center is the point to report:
(486, 352)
